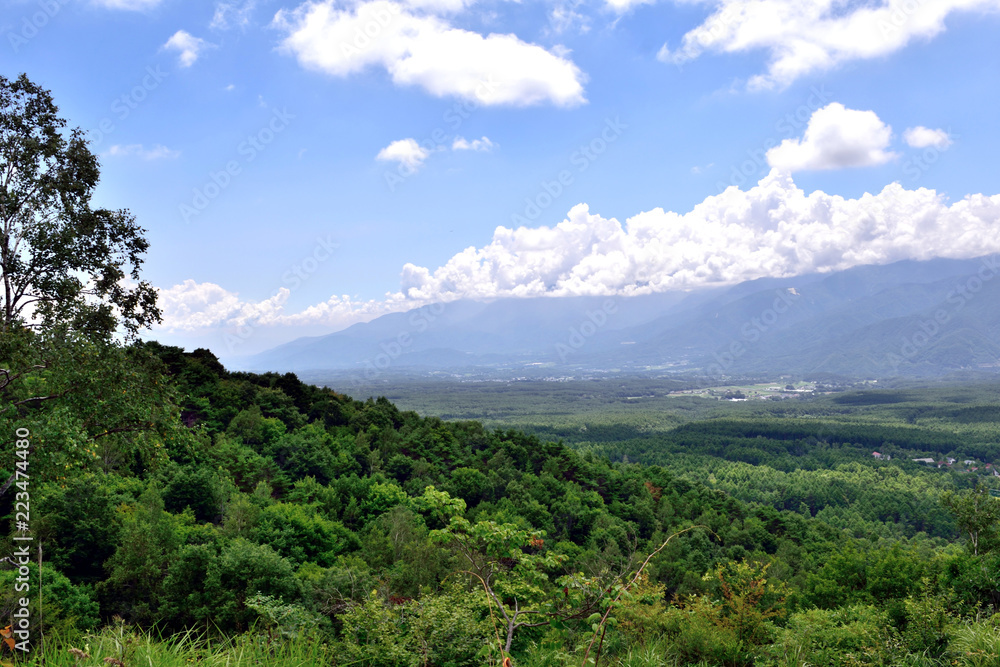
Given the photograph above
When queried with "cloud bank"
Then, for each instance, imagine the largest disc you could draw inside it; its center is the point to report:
(193, 306)
(772, 229)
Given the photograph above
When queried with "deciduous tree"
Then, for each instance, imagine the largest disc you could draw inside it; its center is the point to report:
(63, 260)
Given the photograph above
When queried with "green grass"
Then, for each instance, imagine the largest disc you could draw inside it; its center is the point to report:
(135, 648)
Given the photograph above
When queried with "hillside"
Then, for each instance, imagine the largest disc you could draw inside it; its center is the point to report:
(362, 533)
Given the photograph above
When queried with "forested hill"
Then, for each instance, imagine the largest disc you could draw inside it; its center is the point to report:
(382, 537)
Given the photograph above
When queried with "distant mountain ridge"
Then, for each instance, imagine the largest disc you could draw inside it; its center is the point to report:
(911, 318)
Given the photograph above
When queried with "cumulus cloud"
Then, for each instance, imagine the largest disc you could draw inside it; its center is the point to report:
(772, 229)
(836, 137)
(806, 36)
(157, 152)
(193, 306)
(461, 144)
(418, 49)
(188, 46)
(923, 137)
(411, 155)
(407, 152)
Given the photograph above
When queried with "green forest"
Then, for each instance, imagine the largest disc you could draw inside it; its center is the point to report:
(176, 502)
(160, 510)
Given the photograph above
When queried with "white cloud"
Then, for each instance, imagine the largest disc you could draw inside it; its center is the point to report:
(806, 36)
(772, 229)
(410, 154)
(232, 14)
(193, 306)
(157, 152)
(923, 137)
(484, 144)
(564, 17)
(836, 137)
(406, 152)
(131, 5)
(426, 51)
(439, 6)
(188, 46)
(622, 6)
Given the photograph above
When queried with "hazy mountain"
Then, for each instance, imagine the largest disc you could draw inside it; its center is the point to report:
(907, 318)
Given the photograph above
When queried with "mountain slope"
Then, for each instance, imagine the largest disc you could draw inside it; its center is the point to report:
(870, 321)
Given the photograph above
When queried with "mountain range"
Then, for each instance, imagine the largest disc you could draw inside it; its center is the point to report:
(909, 318)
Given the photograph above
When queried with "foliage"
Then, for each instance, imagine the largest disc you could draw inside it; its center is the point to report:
(63, 605)
(296, 515)
(978, 515)
(62, 260)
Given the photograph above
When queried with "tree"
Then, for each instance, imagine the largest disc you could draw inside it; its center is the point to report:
(62, 260)
(70, 284)
(978, 514)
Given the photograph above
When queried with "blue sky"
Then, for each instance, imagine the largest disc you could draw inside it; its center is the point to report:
(301, 166)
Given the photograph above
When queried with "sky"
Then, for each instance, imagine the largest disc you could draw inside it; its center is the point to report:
(303, 166)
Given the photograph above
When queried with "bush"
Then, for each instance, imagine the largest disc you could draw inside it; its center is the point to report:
(445, 630)
(858, 635)
(65, 606)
